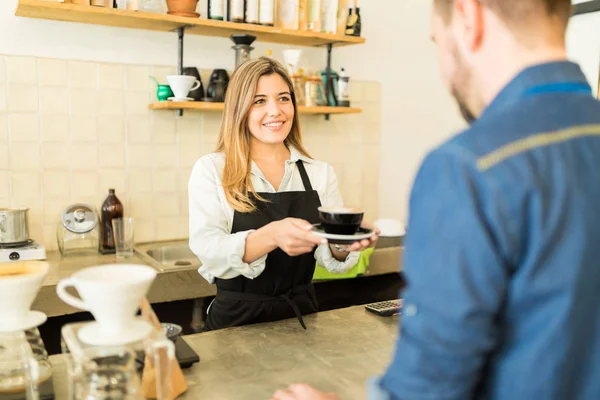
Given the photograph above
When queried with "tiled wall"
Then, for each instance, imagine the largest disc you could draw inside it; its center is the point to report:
(69, 130)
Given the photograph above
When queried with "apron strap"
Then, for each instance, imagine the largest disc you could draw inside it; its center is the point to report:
(304, 176)
(246, 296)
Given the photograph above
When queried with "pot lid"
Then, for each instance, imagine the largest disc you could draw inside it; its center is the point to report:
(79, 218)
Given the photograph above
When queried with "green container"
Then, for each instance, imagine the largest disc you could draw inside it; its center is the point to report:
(163, 92)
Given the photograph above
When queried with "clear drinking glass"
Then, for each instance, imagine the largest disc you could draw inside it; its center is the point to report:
(123, 229)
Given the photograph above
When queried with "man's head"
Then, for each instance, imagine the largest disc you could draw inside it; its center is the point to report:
(483, 43)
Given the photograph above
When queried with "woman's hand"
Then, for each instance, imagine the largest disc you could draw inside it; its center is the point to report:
(302, 391)
(294, 236)
(340, 251)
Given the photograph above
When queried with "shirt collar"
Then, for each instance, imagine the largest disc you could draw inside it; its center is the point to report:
(295, 155)
(537, 75)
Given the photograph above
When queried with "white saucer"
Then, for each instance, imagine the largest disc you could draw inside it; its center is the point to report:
(180, 99)
(362, 234)
(92, 334)
(32, 320)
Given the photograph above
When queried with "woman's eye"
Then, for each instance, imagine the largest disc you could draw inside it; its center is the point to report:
(284, 99)
(259, 101)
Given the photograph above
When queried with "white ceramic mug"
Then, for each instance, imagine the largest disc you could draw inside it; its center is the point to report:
(20, 282)
(182, 85)
(112, 293)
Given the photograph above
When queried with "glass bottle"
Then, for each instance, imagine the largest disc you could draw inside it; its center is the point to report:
(354, 25)
(111, 208)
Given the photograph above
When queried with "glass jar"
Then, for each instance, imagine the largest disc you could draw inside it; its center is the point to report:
(314, 92)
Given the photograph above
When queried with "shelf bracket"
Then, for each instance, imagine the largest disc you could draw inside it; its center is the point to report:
(180, 33)
(328, 81)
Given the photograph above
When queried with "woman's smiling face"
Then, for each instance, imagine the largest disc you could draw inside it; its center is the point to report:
(272, 113)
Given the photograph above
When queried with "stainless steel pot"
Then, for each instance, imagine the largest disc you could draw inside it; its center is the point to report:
(14, 225)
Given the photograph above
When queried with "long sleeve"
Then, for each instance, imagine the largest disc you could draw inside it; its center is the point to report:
(220, 252)
(323, 253)
(457, 278)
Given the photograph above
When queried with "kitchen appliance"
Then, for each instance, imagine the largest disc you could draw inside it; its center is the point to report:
(29, 250)
(14, 226)
(77, 232)
(242, 47)
(217, 86)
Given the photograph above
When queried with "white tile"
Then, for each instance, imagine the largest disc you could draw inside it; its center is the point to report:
(54, 100)
(50, 242)
(139, 156)
(83, 156)
(55, 155)
(140, 181)
(111, 156)
(21, 70)
(188, 155)
(25, 156)
(111, 102)
(4, 162)
(83, 75)
(3, 128)
(111, 130)
(3, 97)
(165, 156)
(55, 128)
(2, 70)
(22, 98)
(83, 129)
(144, 230)
(24, 128)
(184, 206)
(53, 209)
(164, 181)
(136, 103)
(52, 72)
(163, 128)
(83, 102)
(115, 179)
(161, 73)
(137, 77)
(183, 178)
(4, 185)
(84, 184)
(373, 92)
(142, 206)
(56, 184)
(111, 76)
(25, 186)
(166, 205)
(167, 228)
(139, 130)
(189, 126)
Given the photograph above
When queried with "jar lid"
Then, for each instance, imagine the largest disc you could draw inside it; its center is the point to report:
(79, 218)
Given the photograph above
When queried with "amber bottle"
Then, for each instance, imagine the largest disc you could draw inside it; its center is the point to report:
(111, 208)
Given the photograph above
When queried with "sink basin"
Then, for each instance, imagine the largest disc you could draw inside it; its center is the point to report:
(169, 256)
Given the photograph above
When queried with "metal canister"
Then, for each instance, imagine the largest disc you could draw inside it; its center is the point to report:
(14, 225)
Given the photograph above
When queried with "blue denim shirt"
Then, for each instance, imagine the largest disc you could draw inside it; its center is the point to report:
(503, 252)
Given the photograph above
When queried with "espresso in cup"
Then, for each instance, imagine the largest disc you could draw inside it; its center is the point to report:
(340, 220)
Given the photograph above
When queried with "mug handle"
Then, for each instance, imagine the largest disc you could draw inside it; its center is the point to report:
(196, 85)
(66, 297)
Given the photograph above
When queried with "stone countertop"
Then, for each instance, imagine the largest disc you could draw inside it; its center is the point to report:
(181, 284)
(338, 352)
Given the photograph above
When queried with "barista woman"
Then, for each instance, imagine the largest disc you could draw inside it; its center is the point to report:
(253, 201)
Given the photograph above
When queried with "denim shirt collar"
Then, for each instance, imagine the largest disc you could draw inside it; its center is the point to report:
(534, 76)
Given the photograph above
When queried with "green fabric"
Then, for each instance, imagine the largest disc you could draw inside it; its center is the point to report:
(361, 266)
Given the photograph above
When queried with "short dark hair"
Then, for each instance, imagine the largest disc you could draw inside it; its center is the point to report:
(516, 13)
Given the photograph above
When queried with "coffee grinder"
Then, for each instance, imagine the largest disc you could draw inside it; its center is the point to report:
(242, 47)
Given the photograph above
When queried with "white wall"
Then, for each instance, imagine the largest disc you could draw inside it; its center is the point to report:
(583, 44)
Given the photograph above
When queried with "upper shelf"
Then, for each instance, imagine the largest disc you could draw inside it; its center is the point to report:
(165, 23)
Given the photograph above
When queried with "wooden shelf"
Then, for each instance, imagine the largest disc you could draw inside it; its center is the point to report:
(166, 23)
(205, 106)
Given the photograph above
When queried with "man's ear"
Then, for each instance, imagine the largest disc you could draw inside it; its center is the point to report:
(468, 23)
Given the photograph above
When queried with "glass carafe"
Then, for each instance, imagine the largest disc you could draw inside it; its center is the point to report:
(19, 370)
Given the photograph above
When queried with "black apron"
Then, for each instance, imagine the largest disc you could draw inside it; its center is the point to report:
(284, 289)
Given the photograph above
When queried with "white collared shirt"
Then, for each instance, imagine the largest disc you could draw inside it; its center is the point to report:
(211, 217)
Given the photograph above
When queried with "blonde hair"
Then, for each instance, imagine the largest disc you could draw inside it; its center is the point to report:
(234, 136)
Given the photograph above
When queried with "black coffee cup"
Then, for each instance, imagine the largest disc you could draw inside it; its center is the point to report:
(340, 220)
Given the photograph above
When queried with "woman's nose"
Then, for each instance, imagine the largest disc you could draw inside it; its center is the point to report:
(273, 108)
